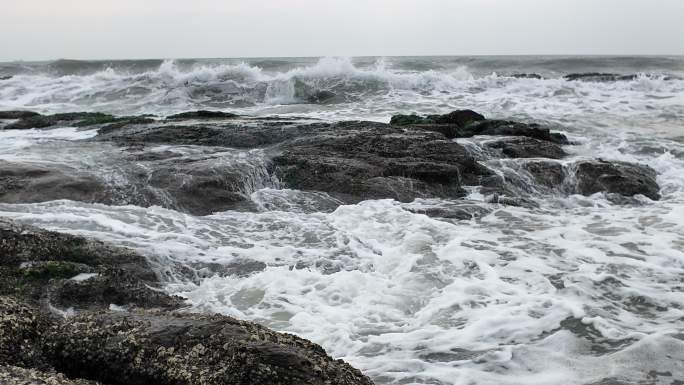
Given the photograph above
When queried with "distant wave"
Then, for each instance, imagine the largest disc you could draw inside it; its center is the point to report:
(174, 85)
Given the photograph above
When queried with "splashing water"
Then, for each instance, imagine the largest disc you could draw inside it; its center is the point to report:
(575, 291)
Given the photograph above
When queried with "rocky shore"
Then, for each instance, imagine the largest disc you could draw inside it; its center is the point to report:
(222, 157)
(78, 311)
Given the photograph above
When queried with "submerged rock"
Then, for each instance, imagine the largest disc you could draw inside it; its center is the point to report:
(526, 76)
(7, 115)
(30, 182)
(526, 147)
(143, 178)
(202, 114)
(509, 128)
(598, 77)
(29, 120)
(622, 178)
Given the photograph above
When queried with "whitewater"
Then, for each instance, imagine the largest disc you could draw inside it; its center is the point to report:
(570, 290)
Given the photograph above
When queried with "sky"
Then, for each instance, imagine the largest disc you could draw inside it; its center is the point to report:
(120, 29)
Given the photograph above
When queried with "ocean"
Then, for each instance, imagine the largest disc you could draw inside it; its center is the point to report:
(571, 289)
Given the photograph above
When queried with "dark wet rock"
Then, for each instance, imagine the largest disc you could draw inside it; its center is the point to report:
(17, 114)
(526, 76)
(137, 347)
(8, 77)
(20, 329)
(13, 375)
(228, 135)
(220, 186)
(148, 347)
(40, 265)
(622, 178)
(351, 161)
(30, 183)
(145, 179)
(125, 122)
(202, 114)
(467, 123)
(459, 118)
(77, 119)
(452, 210)
(548, 174)
(526, 147)
(71, 118)
(362, 160)
(598, 77)
(509, 128)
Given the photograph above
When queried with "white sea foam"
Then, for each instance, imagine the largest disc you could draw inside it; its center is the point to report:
(408, 298)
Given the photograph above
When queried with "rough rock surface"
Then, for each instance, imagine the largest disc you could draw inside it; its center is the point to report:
(10, 115)
(29, 120)
(146, 348)
(598, 77)
(20, 329)
(623, 178)
(39, 265)
(140, 341)
(413, 157)
(525, 147)
(362, 160)
(467, 123)
(23, 182)
(13, 375)
(141, 177)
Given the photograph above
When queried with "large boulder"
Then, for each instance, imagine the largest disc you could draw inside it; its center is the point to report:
(179, 349)
(30, 182)
(75, 272)
(140, 340)
(363, 160)
(144, 178)
(626, 179)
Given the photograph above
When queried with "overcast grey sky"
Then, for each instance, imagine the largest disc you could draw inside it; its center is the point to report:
(92, 29)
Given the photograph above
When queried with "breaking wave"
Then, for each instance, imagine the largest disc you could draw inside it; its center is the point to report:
(153, 86)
